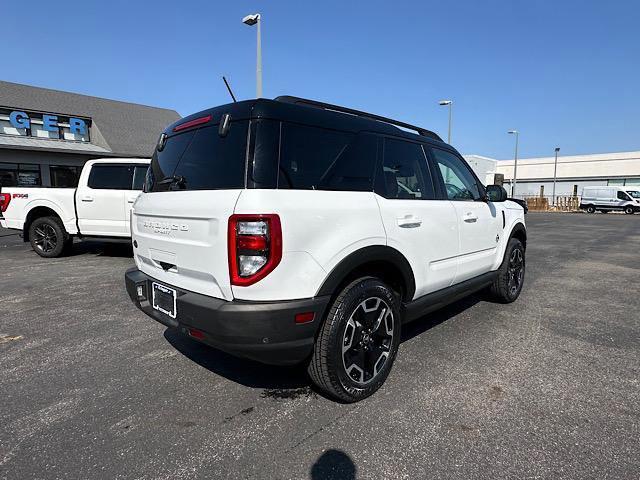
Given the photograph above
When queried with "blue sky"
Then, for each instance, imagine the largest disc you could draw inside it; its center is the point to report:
(565, 73)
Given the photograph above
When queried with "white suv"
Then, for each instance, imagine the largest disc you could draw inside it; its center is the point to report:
(292, 231)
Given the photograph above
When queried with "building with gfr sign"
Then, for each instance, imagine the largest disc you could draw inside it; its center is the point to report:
(46, 135)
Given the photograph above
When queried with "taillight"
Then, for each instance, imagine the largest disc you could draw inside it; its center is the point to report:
(255, 247)
(5, 199)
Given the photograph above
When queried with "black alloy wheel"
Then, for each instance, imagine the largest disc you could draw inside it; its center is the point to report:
(358, 340)
(367, 340)
(516, 270)
(45, 238)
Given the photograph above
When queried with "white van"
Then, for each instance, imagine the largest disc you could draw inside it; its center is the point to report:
(606, 199)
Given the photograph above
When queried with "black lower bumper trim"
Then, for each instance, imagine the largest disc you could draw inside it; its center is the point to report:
(262, 331)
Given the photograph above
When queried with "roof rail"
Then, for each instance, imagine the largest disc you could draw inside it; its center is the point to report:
(336, 108)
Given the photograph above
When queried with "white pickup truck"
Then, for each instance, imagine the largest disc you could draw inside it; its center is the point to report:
(99, 207)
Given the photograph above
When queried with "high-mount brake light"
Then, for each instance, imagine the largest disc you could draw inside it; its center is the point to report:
(192, 123)
(5, 199)
(254, 247)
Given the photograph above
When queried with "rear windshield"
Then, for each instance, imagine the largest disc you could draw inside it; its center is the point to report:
(200, 160)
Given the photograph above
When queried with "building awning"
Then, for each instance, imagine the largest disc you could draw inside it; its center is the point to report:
(47, 145)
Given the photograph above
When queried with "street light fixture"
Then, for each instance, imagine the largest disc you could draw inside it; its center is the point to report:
(515, 163)
(251, 20)
(450, 104)
(555, 168)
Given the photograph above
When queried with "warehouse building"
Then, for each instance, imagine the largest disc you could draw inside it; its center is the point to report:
(46, 135)
(573, 173)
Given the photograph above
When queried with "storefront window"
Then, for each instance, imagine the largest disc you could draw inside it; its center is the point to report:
(64, 176)
(20, 175)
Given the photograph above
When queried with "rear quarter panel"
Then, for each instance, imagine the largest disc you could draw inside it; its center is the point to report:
(23, 200)
(319, 229)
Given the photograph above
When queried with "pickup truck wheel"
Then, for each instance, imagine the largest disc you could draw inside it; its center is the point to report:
(357, 342)
(48, 237)
(508, 283)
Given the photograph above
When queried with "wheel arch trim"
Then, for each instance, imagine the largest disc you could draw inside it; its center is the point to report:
(380, 254)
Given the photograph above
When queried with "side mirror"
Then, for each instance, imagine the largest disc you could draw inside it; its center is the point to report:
(496, 193)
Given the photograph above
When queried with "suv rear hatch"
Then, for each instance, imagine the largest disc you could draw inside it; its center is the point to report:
(180, 222)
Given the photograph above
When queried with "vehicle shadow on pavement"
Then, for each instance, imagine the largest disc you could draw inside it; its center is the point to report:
(422, 324)
(103, 249)
(243, 371)
(288, 382)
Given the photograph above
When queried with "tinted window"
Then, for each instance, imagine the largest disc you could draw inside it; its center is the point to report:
(63, 176)
(265, 155)
(459, 182)
(139, 174)
(20, 175)
(623, 196)
(314, 158)
(202, 160)
(111, 177)
(405, 171)
(164, 162)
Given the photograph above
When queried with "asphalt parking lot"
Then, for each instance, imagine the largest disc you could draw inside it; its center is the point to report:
(548, 387)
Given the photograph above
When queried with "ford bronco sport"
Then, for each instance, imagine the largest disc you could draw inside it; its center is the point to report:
(291, 231)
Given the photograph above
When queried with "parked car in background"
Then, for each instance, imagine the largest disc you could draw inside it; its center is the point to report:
(293, 231)
(99, 207)
(607, 199)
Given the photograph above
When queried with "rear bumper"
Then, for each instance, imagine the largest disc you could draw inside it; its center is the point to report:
(262, 331)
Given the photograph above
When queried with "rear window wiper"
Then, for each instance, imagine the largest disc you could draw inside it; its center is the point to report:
(179, 180)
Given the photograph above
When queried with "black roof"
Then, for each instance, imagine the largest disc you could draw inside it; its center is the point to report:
(310, 112)
(124, 129)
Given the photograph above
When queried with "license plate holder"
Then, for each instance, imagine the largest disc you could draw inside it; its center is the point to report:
(164, 299)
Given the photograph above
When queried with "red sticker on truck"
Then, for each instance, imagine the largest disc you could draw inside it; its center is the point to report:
(20, 195)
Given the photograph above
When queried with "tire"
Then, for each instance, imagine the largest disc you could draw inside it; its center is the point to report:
(629, 210)
(366, 316)
(48, 237)
(508, 283)
(591, 209)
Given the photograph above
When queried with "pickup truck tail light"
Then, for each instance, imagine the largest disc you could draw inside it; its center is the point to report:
(254, 247)
(5, 199)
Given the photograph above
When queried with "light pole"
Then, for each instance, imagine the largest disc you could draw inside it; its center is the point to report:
(555, 169)
(450, 104)
(515, 163)
(251, 20)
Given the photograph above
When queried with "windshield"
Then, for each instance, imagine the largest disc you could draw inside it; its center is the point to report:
(634, 193)
(200, 159)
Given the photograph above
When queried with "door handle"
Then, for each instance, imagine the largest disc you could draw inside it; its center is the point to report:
(87, 198)
(409, 221)
(131, 199)
(470, 217)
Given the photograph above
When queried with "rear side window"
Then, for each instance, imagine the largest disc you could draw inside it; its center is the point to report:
(201, 160)
(405, 171)
(313, 158)
(111, 177)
